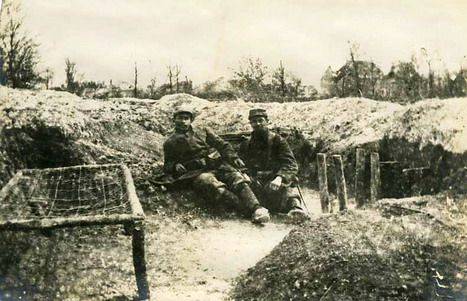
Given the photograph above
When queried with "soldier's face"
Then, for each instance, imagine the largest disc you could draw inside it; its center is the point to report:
(182, 122)
(259, 123)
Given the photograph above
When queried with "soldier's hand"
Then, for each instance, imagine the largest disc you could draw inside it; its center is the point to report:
(238, 163)
(179, 168)
(276, 183)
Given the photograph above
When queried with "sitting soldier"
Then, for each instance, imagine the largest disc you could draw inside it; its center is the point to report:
(272, 168)
(200, 158)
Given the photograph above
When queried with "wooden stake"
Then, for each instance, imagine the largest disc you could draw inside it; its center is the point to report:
(134, 201)
(323, 183)
(9, 186)
(340, 182)
(139, 261)
(360, 177)
(375, 181)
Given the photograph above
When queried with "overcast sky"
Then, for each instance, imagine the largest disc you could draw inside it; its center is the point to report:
(207, 37)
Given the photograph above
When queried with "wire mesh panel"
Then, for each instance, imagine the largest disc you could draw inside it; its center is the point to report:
(77, 196)
(96, 194)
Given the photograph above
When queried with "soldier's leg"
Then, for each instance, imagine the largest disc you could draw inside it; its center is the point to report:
(207, 185)
(250, 206)
(292, 198)
(275, 201)
(294, 205)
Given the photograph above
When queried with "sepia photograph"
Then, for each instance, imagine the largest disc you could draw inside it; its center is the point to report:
(219, 150)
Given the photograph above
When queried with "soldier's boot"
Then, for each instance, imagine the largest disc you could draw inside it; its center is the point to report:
(259, 214)
(296, 212)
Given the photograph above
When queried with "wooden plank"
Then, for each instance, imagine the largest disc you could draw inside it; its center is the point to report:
(139, 261)
(61, 222)
(375, 178)
(323, 183)
(340, 182)
(360, 177)
(130, 186)
(10, 185)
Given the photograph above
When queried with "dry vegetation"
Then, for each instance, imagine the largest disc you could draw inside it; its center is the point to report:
(368, 255)
(394, 254)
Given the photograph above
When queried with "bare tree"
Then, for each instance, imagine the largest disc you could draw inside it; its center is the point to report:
(71, 73)
(152, 87)
(135, 89)
(177, 70)
(48, 76)
(355, 70)
(187, 85)
(170, 78)
(18, 52)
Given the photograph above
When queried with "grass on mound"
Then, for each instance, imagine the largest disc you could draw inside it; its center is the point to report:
(361, 255)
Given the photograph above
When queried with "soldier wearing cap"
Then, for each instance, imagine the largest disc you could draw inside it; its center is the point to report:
(200, 158)
(272, 167)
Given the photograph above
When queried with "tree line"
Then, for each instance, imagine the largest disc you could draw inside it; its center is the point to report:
(403, 83)
(251, 80)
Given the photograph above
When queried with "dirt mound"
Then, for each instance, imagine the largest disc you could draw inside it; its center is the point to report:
(87, 131)
(435, 121)
(49, 129)
(367, 256)
(341, 123)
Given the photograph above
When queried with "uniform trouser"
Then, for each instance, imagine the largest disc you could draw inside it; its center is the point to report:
(282, 200)
(212, 184)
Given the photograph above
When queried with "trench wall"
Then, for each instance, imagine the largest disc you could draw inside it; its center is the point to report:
(407, 168)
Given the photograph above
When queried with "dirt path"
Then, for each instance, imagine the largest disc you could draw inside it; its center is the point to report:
(202, 262)
(197, 258)
(192, 255)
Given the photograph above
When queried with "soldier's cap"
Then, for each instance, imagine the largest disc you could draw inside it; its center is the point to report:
(257, 112)
(184, 111)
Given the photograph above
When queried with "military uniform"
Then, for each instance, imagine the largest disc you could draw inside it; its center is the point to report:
(206, 158)
(268, 155)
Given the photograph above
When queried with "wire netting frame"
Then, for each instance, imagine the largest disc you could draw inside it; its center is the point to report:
(136, 213)
(133, 222)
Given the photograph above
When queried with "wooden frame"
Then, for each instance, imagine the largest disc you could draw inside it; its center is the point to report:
(133, 220)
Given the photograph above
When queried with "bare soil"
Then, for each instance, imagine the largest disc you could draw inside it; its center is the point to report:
(194, 251)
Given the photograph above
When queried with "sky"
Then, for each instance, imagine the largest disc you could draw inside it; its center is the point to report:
(207, 38)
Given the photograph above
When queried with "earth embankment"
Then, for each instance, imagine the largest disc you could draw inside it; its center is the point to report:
(49, 129)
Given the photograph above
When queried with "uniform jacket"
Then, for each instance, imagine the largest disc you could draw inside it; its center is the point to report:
(271, 153)
(192, 146)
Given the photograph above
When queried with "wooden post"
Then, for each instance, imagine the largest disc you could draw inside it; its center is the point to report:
(6, 190)
(375, 181)
(340, 182)
(360, 177)
(136, 208)
(62, 222)
(323, 183)
(139, 261)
